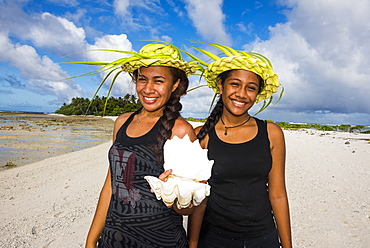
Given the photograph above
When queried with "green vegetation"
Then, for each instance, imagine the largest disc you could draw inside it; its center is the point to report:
(114, 107)
(196, 120)
(344, 128)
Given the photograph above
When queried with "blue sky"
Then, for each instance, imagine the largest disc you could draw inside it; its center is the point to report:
(320, 49)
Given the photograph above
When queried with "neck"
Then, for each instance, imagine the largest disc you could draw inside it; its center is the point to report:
(227, 127)
(231, 119)
(151, 114)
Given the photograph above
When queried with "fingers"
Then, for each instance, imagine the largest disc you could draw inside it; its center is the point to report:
(164, 175)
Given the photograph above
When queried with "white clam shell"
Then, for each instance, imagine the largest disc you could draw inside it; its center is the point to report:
(186, 191)
(189, 164)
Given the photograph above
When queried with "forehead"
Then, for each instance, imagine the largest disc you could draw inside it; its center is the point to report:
(244, 75)
(154, 71)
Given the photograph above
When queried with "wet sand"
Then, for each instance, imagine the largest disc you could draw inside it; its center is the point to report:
(27, 138)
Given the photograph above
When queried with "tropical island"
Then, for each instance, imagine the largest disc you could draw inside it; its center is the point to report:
(103, 106)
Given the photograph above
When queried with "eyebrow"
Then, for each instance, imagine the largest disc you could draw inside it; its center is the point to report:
(140, 75)
(237, 79)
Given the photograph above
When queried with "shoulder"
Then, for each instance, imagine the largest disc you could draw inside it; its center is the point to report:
(119, 121)
(204, 142)
(275, 133)
(182, 127)
(273, 128)
(197, 129)
(122, 119)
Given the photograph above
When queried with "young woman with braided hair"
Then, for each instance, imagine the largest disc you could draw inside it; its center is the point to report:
(248, 204)
(172, 108)
(128, 213)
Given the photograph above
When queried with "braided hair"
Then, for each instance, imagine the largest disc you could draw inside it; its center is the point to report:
(170, 113)
(218, 109)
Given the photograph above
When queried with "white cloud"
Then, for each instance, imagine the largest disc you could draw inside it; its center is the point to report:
(166, 38)
(39, 73)
(116, 42)
(321, 56)
(121, 8)
(247, 29)
(26, 59)
(143, 18)
(69, 3)
(202, 13)
(46, 31)
(56, 34)
(64, 90)
(197, 102)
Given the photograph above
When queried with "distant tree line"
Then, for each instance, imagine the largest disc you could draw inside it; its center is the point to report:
(112, 106)
(196, 119)
(297, 126)
(343, 127)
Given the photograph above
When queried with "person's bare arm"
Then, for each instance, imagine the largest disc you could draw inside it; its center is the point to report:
(195, 224)
(98, 222)
(276, 183)
(195, 220)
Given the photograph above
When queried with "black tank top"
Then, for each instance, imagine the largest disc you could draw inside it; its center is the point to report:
(135, 217)
(238, 206)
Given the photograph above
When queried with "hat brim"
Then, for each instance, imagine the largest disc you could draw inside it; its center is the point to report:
(179, 64)
(270, 78)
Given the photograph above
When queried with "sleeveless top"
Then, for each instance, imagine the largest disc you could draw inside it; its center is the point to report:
(135, 217)
(238, 206)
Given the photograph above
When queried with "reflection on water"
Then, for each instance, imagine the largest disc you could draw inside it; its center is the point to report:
(26, 138)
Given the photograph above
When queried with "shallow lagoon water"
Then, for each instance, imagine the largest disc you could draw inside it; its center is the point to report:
(27, 138)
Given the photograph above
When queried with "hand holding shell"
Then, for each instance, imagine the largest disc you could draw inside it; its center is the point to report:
(190, 165)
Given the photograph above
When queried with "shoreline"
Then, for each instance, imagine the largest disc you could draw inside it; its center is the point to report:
(50, 203)
(28, 138)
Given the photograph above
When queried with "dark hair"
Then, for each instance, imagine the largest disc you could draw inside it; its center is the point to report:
(170, 113)
(217, 110)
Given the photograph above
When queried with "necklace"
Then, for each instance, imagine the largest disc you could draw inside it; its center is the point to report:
(249, 117)
(138, 120)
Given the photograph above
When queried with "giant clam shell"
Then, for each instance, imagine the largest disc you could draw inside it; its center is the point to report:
(189, 164)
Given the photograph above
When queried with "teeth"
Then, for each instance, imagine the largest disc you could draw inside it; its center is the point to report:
(239, 104)
(150, 98)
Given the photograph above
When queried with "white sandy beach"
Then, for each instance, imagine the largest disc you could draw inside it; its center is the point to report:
(51, 203)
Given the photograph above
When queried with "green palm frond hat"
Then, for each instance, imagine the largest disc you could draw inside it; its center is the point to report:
(270, 78)
(234, 59)
(153, 54)
(157, 54)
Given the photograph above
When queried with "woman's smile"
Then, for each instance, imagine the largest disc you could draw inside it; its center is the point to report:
(238, 103)
(150, 100)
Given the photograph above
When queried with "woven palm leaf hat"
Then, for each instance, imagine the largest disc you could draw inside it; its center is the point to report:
(158, 54)
(234, 59)
(153, 54)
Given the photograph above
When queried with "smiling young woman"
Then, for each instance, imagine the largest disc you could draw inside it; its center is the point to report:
(248, 204)
(128, 213)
